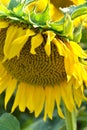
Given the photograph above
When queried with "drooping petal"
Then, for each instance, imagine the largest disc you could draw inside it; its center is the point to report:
(50, 37)
(20, 99)
(36, 42)
(69, 64)
(11, 85)
(55, 13)
(78, 72)
(67, 96)
(3, 85)
(41, 5)
(49, 102)
(15, 41)
(57, 93)
(78, 96)
(30, 7)
(62, 49)
(30, 101)
(11, 35)
(4, 78)
(38, 98)
(77, 50)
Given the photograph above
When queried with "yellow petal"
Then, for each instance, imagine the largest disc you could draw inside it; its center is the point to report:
(69, 61)
(41, 5)
(18, 44)
(23, 96)
(3, 81)
(5, 2)
(59, 46)
(49, 106)
(11, 85)
(78, 96)
(78, 72)
(36, 42)
(62, 48)
(84, 73)
(30, 7)
(30, 101)
(67, 96)
(20, 99)
(57, 93)
(55, 13)
(11, 35)
(50, 37)
(14, 42)
(38, 98)
(3, 24)
(77, 50)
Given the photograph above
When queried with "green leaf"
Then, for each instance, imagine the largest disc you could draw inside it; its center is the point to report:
(55, 124)
(48, 125)
(39, 19)
(9, 122)
(82, 116)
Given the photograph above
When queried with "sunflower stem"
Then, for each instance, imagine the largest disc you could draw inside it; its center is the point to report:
(70, 119)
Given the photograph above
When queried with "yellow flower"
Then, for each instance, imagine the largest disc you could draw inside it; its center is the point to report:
(42, 68)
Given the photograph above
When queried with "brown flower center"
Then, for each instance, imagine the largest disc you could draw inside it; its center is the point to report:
(38, 69)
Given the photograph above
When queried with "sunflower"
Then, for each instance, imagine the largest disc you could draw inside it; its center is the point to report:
(40, 61)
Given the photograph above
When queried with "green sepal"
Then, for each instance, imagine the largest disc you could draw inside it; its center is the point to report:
(64, 27)
(40, 19)
(57, 26)
(3, 10)
(75, 11)
(18, 10)
(77, 35)
(13, 3)
(68, 27)
(79, 10)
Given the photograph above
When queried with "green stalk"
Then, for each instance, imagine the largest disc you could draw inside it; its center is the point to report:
(70, 119)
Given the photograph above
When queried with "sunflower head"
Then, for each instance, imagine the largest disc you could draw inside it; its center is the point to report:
(40, 58)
